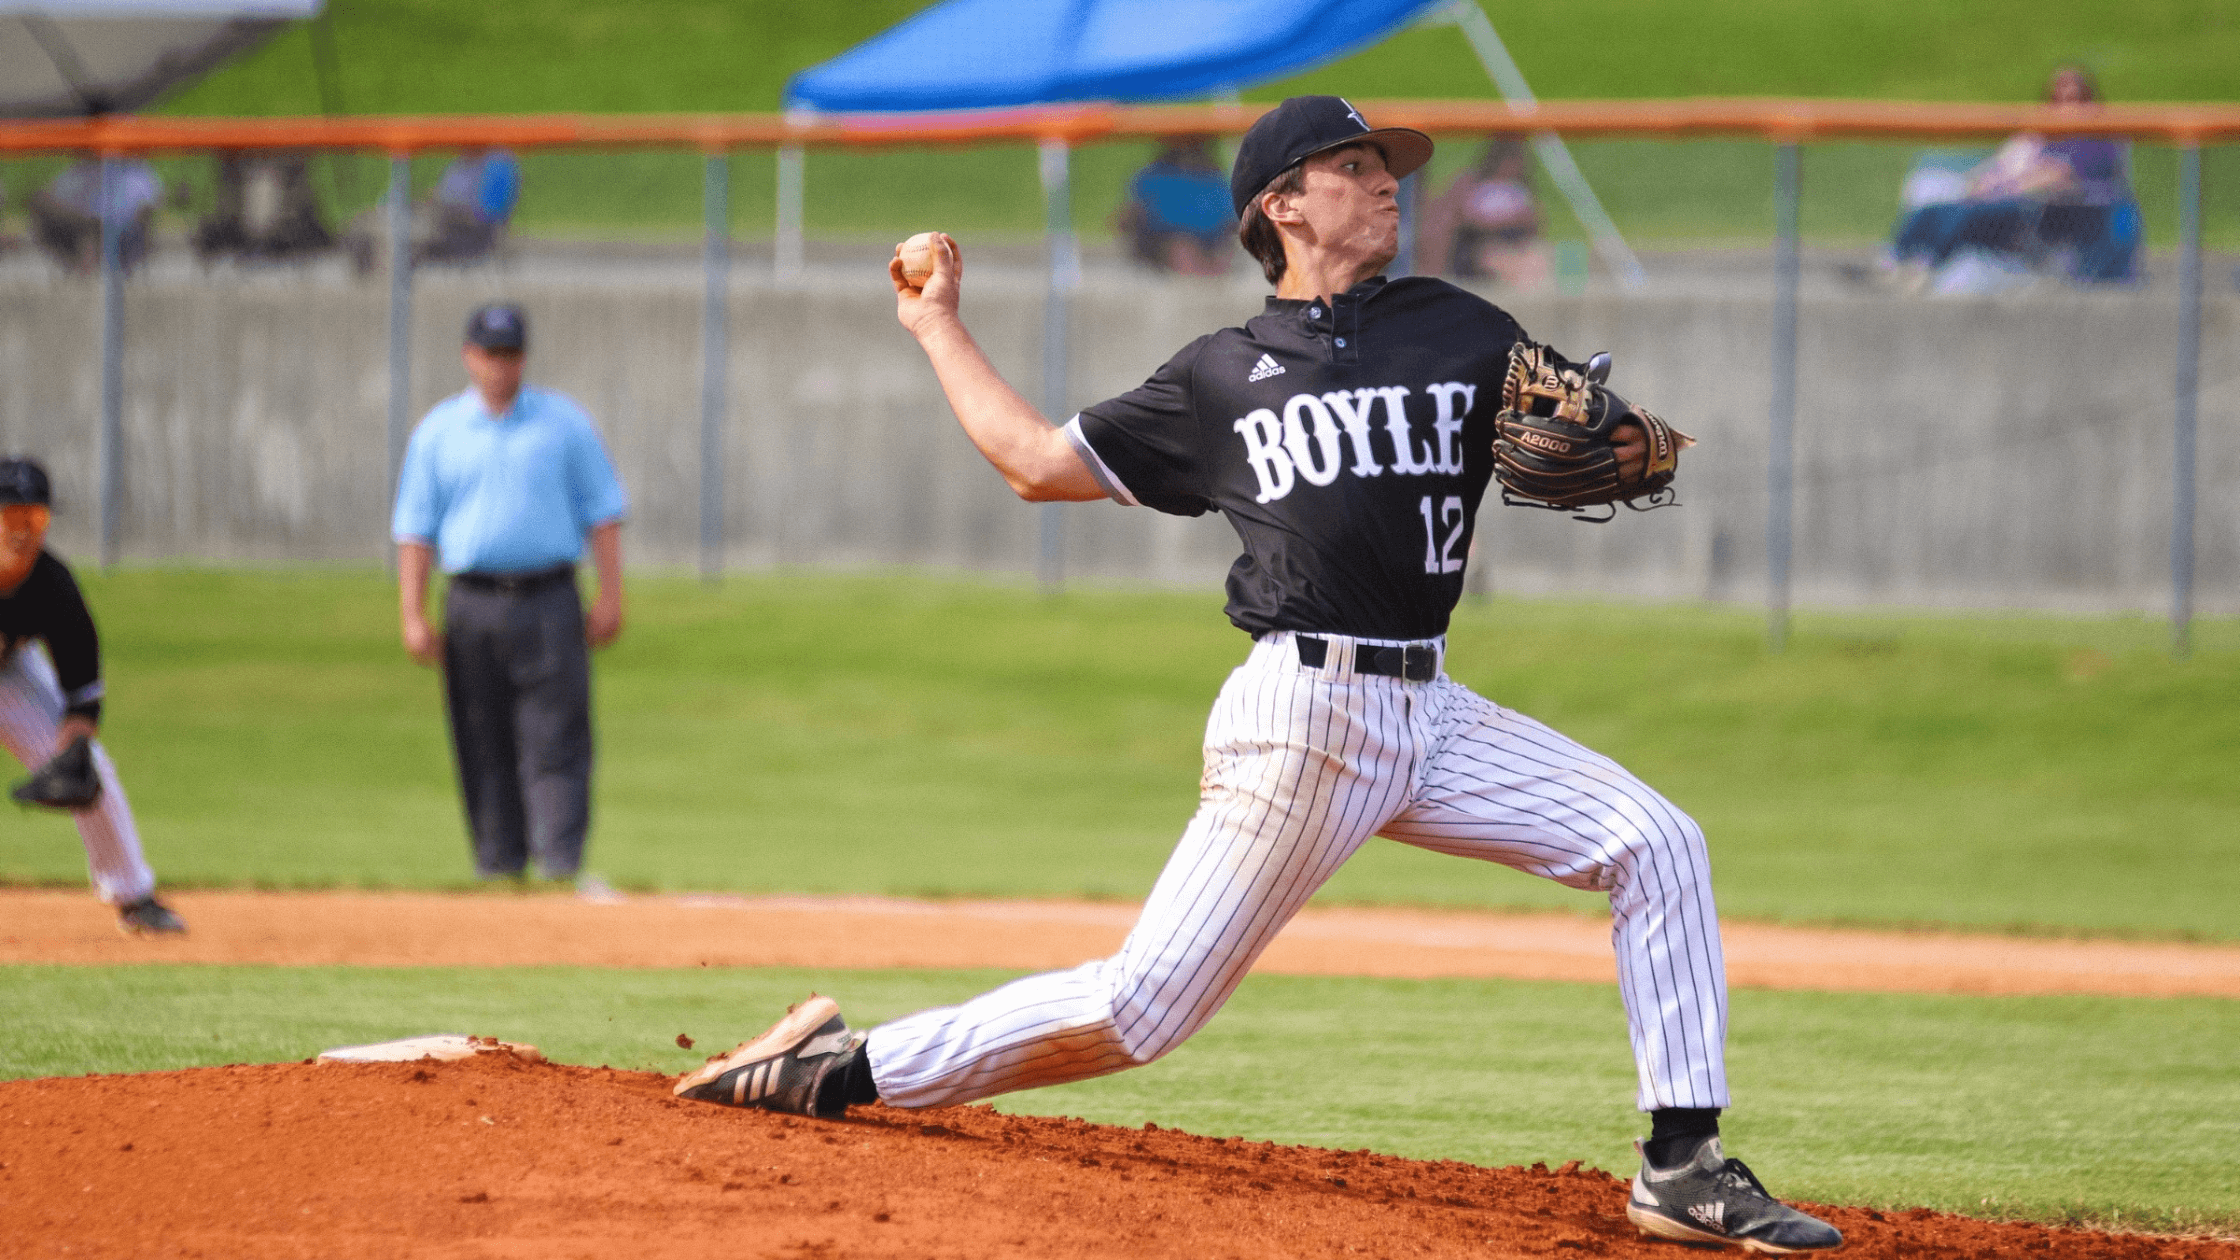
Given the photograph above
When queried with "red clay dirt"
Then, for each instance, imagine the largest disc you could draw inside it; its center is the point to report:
(497, 1157)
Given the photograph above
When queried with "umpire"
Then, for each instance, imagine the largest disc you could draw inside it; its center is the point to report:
(504, 483)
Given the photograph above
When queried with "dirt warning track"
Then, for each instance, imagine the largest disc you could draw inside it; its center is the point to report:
(500, 930)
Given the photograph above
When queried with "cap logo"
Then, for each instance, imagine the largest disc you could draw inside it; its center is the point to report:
(1354, 114)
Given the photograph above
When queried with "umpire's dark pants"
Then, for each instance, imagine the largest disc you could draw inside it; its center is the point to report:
(517, 677)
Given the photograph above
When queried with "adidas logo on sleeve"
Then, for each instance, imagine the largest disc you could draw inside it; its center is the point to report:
(1265, 368)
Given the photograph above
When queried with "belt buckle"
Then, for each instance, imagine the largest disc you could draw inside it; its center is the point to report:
(1419, 662)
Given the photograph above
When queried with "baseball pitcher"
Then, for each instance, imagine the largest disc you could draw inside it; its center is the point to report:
(1349, 434)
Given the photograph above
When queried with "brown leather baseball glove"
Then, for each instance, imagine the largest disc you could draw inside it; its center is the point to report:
(1556, 439)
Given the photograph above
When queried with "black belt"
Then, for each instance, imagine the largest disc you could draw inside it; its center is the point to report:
(517, 583)
(1416, 662)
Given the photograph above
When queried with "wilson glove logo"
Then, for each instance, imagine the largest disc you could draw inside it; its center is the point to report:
(1545, 441)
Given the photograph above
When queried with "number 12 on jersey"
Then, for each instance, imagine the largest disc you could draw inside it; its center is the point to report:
(1439, 557)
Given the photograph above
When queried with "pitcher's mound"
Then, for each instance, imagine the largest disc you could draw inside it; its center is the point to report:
(500, 1155)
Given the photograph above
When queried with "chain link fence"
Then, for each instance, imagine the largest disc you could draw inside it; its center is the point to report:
(1995, 424)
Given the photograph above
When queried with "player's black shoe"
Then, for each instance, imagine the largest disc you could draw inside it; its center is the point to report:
(148, 917)
(785, 1068)
(1710, 1198)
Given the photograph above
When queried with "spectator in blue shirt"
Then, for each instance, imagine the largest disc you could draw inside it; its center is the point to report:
(1177, 214)
(462, 220)
(471, 206)
(503, 484)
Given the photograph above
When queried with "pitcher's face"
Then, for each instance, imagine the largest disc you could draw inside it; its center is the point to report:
(1351, 203)
(23, 530)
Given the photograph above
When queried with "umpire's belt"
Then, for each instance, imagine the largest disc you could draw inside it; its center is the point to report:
(528, 583)
(1416, 662)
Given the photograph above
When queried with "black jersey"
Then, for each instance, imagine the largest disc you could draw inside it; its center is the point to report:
(49, 607)
(1348, 442)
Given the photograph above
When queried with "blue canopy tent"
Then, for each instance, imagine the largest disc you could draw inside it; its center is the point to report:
(995, 54)
(989, 54)
(1000, 54)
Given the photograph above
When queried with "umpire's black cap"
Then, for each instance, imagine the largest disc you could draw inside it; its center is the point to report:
(1306, 125)
(498, 326)
(23, 481)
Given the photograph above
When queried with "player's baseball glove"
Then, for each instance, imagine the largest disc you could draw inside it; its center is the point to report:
(67, 781)
(1553, 441)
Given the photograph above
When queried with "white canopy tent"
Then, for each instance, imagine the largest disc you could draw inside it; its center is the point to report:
(64, 58)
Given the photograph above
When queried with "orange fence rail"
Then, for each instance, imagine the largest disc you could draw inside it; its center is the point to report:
(1779, 120)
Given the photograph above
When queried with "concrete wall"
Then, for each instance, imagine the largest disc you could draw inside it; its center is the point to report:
(1991, 452)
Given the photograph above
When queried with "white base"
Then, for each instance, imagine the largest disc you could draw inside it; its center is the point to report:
(442, 1047)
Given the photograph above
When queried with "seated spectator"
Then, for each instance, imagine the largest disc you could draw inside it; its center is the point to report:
(1177, 214)
(2036, 204)
(471, 206)
(266, 209)
(67, 214)
(463, 220)
(1486, 225)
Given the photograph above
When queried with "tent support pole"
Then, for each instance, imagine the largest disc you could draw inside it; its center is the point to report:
(1064, 277)
(112, 362)
(715, 341)
(1555, 157)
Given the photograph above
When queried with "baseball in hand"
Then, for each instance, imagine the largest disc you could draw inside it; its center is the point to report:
(917, 258)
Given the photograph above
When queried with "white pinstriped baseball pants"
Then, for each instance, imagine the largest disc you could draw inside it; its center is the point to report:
(31, 709)
(1301, 767)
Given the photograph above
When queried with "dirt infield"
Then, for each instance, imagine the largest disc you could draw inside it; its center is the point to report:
(500, 1158)
(497, 930)
(496, 1158)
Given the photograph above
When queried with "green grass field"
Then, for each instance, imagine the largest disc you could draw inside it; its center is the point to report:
(420, 56)
(925, 734)
(902, 734)
(2087, 1110)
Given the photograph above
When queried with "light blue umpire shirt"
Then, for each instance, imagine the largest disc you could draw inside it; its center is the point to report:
(511, 493)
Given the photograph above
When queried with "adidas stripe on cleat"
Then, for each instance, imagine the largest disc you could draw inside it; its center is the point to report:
(781, 1070)
(1712, 1199)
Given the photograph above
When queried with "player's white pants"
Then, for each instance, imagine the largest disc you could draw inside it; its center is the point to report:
(1301, 767)
(31, 708)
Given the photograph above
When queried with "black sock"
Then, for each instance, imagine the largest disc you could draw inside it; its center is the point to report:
(848, 1083)
(1674, 1131)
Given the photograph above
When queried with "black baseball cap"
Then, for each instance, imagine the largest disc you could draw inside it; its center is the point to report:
(23, 481)
(1306, 125)
(498, 326)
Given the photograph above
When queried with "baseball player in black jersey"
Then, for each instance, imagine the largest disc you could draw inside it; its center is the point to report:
(50, 702)
(1347, 433)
